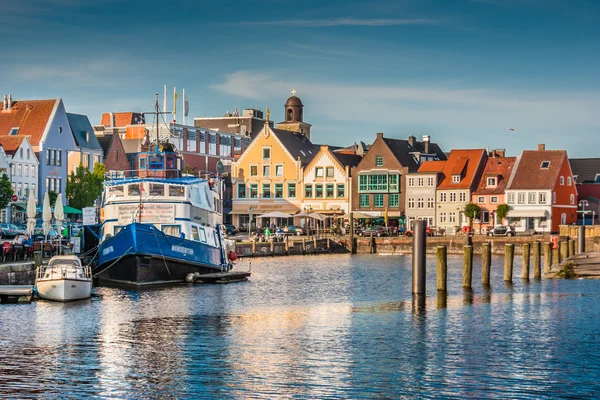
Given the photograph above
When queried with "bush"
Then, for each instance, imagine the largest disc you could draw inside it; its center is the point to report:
(567, 271)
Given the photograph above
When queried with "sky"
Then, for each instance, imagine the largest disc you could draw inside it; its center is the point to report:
(470, 73)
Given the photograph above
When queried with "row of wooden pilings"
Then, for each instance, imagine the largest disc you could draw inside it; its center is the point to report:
(537, 249)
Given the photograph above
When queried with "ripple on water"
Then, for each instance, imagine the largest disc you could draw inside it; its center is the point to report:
(310, 327)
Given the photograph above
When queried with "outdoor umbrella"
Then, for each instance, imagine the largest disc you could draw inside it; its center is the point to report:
(59, 213)
(31, 213)
(46, 215)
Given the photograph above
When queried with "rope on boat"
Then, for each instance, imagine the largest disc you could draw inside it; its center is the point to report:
(116, 261)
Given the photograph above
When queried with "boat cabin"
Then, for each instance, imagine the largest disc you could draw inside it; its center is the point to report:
(162, 162)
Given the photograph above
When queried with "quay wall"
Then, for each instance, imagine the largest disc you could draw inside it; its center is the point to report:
(22, 273)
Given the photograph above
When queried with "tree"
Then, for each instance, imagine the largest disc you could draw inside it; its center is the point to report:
(52, 196)
(472, 211)
(502, 211)
(6, 192)
(83, 186)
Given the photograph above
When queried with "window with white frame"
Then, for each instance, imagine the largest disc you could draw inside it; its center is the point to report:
(279, 170)
(430, 202)
(531, 198)
(411, 202)
(420, 182)
(562, 180)
(319, 172)
(266, 170)
(329, 172)
(420, 203)
(455, 178)
(430, 181)
(553, 197)
(452, 217)
(511, 198)
(542, 198)
(442, 196)
(411, 182)
(494, 200)
(452, 197)
(481, 199)
(462, 197)
(568, 181)
(573, 200)
(442, 217)
(491, 181)
(521, 198)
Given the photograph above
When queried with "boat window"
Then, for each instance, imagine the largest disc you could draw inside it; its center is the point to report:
(117, 229)
(155, 162)
(172, 230)
(176, 191)
(202, 235)
(170, 162)
(142, 163)
(116, 191)
(157, 189)
(63, 263)
(133, 189)
(216, 238)
(195, 235)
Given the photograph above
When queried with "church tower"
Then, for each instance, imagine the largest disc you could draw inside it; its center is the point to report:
(294, 116)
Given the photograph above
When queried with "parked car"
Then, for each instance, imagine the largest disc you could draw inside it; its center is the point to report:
(376, 230)
(9, 231)
(428, 232)
(501, 230)
(231, 229)
(293, 230)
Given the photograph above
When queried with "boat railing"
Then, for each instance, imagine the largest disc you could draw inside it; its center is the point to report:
(142, 173)
(51, 272)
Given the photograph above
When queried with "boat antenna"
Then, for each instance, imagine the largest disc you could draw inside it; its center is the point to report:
(157, 135)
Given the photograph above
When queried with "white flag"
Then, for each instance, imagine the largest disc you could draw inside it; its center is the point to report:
(186, 106)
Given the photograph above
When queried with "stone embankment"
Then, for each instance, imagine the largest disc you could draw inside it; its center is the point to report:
(17, 273)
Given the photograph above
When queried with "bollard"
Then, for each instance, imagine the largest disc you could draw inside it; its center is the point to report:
(564, 251)
(304, 245)
(537, 270)
(253, 247)
(547, 256)
(581, 239)
(467, 266)
(486, 262)
(571, 247)
(509, 252)
(441, 256)
(525, 261)
(315, 244)
(555, 257)
(272, 246)
(418, 257)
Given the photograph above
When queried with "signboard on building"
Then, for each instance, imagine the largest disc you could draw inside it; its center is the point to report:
(89, 215)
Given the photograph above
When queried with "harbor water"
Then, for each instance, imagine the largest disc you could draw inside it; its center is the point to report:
(311, 327)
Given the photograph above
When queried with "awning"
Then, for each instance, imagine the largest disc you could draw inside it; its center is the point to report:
(20, 205)
(71, 210)
(257, 212)
(527, 213)
(274, 214)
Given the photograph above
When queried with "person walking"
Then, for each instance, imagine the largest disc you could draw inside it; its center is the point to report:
(267, 233)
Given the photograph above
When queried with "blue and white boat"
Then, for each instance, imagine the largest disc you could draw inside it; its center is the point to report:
(159, 225)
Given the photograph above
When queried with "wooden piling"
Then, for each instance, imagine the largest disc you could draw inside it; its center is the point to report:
(441, 256)
(315, 244)
(555, 257)
(272, 246)
(303, 245)
(537, 270)
(371, 244)
(467, 266)
(564, 251)
(547, 246)
(509, 252)
(486, 262)
(254, 247)
(571, 247)
(525, 261)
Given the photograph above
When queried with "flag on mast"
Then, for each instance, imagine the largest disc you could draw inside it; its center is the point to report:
(186, 105)
(165, 100)
(174, 105)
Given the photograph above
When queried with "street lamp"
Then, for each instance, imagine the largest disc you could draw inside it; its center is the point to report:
(583, 204)
(250, 221)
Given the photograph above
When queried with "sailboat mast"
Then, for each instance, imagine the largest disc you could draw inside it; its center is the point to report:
(156, 111)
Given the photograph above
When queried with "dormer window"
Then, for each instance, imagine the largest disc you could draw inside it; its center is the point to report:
(545, 165)
(455, 178)
(491, 181)
(13, 131)
(87, 137)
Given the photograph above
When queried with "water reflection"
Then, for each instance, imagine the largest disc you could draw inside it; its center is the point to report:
(311, 327)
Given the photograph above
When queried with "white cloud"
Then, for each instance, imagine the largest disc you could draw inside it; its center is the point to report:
(320, 23)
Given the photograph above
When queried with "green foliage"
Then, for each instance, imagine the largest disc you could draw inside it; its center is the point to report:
(501, 211)
(472, 210)
(84, 186)
(52, 196)
(567, 271)
(6, 192)
(189, 170)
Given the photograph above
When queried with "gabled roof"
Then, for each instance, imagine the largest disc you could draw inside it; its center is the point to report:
(590, 191)
(528, 173)
(402, 151)
(586, 169)
(30, 116)
(297, 145)
(122, 118)
(432, 166)
(467, 163)
(105, 142)
(11, 144)
(499, 167)
(345, 159)
(83, 131)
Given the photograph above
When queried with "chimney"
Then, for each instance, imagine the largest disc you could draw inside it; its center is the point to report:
(112, 119)
(541, 147)
(494, 154)
(500, 152)
(411, 140)
(379, 135)
(10, 103)
(426, 139)
(5, 103)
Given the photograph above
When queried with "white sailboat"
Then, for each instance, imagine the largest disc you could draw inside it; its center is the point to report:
(64, 279)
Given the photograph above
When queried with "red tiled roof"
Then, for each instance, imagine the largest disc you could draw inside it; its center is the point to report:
(499, 167)
(465, 161)
(530, 175)
(30, 116)
(11, 144)
(121, 119)
(432, 166)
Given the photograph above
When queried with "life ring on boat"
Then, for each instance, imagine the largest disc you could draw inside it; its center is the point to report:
(232, 256)
(160, 148)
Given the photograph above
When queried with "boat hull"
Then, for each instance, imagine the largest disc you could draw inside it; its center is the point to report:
(64, 289)
(141, 255)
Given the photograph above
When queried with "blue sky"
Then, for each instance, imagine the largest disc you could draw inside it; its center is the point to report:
(460, 71)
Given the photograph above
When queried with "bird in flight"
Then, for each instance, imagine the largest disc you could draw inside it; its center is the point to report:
(510, 129)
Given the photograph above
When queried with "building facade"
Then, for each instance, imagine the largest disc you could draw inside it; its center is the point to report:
(89, 152)
(541, 192)
(379, 179)
(421, 190)
(115, 158)
(461, 175)
(489, 193)
(248, 124)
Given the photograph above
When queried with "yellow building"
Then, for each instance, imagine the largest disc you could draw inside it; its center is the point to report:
(268, 176)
